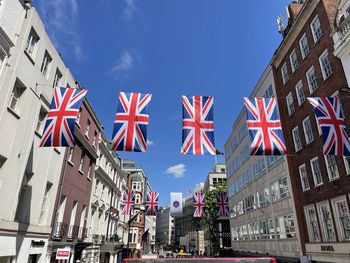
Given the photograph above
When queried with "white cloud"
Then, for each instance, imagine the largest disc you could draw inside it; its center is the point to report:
(177, 170)
(150, 143)
(124, 63)
(130, 9)
(198, 188)
(61, 19)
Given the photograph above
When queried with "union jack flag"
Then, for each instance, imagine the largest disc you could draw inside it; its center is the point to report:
(128, 202)
(152, 203)
(264, 125)
(197, 125)
(331, 120)
(222, 204)
(130, 123)
(60, 122)
(199, 204)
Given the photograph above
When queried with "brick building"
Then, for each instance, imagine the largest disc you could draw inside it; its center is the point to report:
(304, 66)
(69, 228)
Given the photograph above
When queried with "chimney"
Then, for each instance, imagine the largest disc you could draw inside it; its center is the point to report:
(293, 10)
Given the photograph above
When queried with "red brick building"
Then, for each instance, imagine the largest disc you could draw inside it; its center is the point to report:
(304, 66)
(69, 227)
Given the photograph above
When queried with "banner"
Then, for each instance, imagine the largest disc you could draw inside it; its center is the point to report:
(176, 204)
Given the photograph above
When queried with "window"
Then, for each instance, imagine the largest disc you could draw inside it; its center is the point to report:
(87, 128)
(267, 229)
(269, 92)
(316, 172)
(89, 175)
(290, 104)
(45, 205)
(296, 139)
(136, 186)
(294, 60)
(325, 64)
(32, 42)
(303, 177)
(347, 164)
(312, 80)
(312, 224)
(57, 79)
(81, 162)
(316, 29)
(279, 189)
(285, 227)
(78, 117)
(332, 167)
(263, 196)
(304, 46)
(97, 186)
(95, 139)
(309, 136)
(2, 59)
(253, 229)
(133, 235)
(45, 66)
(17, 92)
(137, 199)
(41, 121)
(249, 203)
(300, 93)
(341, 213)
(70, 154)
(284, 72)
(327, 227)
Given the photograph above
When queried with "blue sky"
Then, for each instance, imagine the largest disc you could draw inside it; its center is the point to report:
(167, 48)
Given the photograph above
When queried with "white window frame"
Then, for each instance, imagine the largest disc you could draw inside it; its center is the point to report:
(290, 104)
(309, 135)
(324, 231)
(41, 120)
(81, 163)
(299, 90)
(345, 213)
(296, 139)
(316, 32)
(347, 164)
(88, 123)
(46, 64)
(17, 92)
(32, 42)
(57, 79)
(310, 228)
(3, 57)
(326, 69)
(304, 178)
(313, 171)
(70, 155)
(294, 60)
(303, 49)
(284, 73)
(312, 83)
(333, 173)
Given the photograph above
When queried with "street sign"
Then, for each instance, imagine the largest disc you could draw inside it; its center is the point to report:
(62, 253)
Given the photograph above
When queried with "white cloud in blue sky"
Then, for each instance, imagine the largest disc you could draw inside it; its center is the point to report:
(178, 171)
(150, 143)
(129, 9)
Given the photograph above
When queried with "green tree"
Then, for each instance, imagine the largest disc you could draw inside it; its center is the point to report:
(211, 220)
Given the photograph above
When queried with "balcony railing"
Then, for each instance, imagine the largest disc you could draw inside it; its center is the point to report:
(344, 27)
(71, 232)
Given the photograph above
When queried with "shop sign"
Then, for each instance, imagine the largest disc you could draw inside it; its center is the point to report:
(62, 253)
(327, 248)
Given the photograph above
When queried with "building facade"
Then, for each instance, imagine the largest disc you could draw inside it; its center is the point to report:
(262, 216)
(164, 227)
(104, 215)
(69, 221)
(304, 66)
(30, 67)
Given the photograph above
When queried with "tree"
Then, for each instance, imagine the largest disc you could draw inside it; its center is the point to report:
(211, 220)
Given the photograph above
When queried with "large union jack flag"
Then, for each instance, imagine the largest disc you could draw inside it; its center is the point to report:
(197, 125)
(222, 204)
(130, 123)
(60, 122)
(128, 202)
(152, 203)
(264, 125)
(331, 121)
(199, 204)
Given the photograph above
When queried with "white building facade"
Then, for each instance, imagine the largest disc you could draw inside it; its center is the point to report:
(30, 67)
(262, 215)
(164, 227)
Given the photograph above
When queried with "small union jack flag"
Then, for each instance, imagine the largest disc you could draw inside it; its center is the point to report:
(197, 125)
(331, 121)
(152, 203)
(222, 204)
(199, 204)
(60, 122)
(130, 123)
(264, 125)
(128, 203)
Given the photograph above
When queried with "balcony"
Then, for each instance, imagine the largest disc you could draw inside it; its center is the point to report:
(71, 232)
(341, 32)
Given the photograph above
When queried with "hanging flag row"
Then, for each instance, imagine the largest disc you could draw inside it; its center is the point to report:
(131, 122)
(128, 203)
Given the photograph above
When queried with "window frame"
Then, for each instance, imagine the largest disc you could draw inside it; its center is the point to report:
(304, 176)
(312, 238)
(312, 83)
(339, 228)
(33, 35)
(290, 103)
(305, 127)
(302, 50)
(328, 165)
(347, 164)
(20, 88)
(46, 64)
(313, 171)
(293, 58)
(316, 33)
(324, 231)
(326, 68)
(297, 91)
(297, 147)
(284, 73)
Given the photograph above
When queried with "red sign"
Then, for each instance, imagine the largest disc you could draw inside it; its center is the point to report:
(62, 253)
